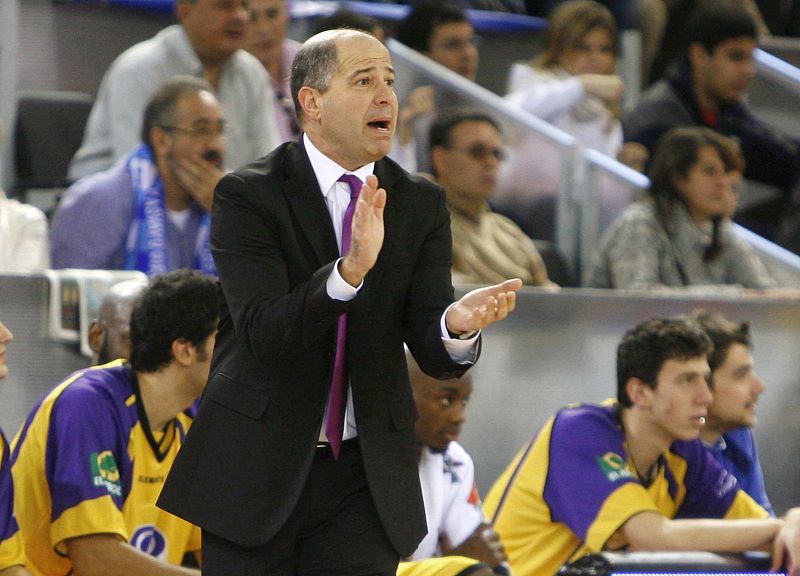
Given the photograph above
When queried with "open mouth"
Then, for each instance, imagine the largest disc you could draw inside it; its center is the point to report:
(381, 125)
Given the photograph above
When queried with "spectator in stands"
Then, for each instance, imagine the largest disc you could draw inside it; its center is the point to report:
(728, 431)
(441, 30)
(23, 237)
(266, 40)
(573, 85)
(708, 88)
(633, 473)
(344, 18)
(466, 153)
(114, 431)
(150, 211)
(676, 29)
(12, 551)
(206, 43)
(110, 332)
(681, 235)
(458, 542)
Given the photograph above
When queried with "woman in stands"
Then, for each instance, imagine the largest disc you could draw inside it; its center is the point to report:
(681, 234)
(572, 84)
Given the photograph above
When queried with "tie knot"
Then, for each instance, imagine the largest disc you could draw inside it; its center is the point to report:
(354, 183)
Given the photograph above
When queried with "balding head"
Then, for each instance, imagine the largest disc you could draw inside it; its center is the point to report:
(109, 334)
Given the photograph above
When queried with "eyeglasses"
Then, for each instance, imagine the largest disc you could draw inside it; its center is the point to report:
(457, 44)
(204, 131)
(482, 152)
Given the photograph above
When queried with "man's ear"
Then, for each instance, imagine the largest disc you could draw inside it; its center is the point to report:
(310, 102)
(182, 9)
(638, 391)
(697, 56)
(159, 141)
(96, 336)
(182, 351)
(436, 159)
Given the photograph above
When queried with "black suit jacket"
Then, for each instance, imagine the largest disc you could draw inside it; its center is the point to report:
(247, 456)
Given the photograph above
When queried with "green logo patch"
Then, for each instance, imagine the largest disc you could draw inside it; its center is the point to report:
(613, 466)
(105, 473)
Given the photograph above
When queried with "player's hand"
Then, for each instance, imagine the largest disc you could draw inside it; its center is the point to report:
(786, 546)
(199, 177)
(367, 233)
(483, 544)
(482, 307)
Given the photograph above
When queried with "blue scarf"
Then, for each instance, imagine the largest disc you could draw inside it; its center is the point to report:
(146, 249)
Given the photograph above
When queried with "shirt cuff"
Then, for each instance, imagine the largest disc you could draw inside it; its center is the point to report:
(338, 288)
(460, 351)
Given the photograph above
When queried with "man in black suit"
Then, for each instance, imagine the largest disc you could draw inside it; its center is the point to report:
(275, 487)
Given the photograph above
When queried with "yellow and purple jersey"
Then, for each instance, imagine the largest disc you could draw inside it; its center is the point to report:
(573, 487)
(11, 550)
(86, 462)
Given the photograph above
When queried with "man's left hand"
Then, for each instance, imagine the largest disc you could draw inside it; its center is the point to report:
(482, 307)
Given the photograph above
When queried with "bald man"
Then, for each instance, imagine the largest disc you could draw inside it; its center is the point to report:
(110, 332)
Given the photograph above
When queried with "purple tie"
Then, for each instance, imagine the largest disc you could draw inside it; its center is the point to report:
(337, 396)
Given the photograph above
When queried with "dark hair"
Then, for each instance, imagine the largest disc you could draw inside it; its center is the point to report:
(418, 27)
(644, 349)
(182, 304)
(723, 334)
(675, 154)
(160, 110)
(441, 132)
(569, 23)
(313, 66)
(719, 21)
(344, 18)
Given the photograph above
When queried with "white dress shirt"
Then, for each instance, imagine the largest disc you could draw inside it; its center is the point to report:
(337, 198)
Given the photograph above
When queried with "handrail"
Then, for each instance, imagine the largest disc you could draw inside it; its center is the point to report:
(767, 248)
(618, 169)
(778, 70)
(457, 82)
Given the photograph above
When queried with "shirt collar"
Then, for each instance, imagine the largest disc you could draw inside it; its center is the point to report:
(327, 171)
(184, 50)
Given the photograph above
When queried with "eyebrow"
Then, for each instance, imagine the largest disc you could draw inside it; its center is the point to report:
(368, 69)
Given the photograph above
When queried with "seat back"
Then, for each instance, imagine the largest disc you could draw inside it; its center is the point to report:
(49, 130)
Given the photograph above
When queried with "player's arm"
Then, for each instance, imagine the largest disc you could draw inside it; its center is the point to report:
(109, 555)
(651, 531)
(15, 571)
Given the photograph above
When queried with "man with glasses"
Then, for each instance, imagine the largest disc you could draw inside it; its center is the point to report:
(150, 211)
(206, 43)
(466, 153)
(442, 32)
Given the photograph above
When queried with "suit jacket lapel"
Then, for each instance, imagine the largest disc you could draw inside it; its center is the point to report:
(308, 205)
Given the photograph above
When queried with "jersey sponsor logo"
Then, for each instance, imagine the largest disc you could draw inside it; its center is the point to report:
(105, 473)
(150, 540)
(613, 466)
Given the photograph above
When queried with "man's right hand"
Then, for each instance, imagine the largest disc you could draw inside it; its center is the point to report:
(367, 233)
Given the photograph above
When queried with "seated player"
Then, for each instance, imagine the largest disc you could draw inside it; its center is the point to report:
(633, 473)
(92, 456)
(12, 554)
(110, 332)
(458, 542)
(728, 433)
